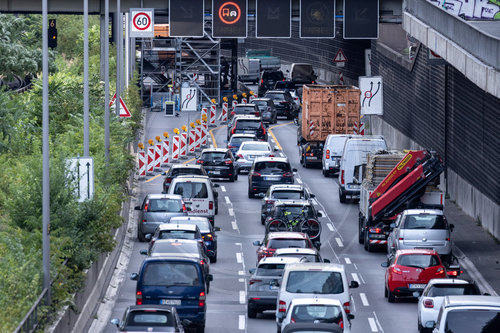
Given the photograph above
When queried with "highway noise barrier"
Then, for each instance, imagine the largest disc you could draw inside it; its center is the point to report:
(151, 160)
(198, 137)
(224, 112)
(158, 156)
(175, 147)
(142, 163)
(212, 115)
(165, 151)
(204, 133)
(184, 141)
(192, 140)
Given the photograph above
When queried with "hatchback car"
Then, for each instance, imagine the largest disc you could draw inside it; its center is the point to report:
(268, 79)
(248, 125)
(207, 232)
(292, 89)
(219, 163)
(311, 327)
(409, 271)
(307, 255)
(236, 140)
(263, 284)
(157, 209)
(248, 109)
(267, 171)
(150, 318)
(267, 110)
(249, 151)
(174, 231)
(277, 240)
(180, 170)
(279, 192)
(285, 104)
(429, 303)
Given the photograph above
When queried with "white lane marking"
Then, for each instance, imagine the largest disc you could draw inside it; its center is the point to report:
(378, 322)
(364, 300)
(242, 297)
(223, 188)
(373, 324)
(355, 266)
(315, 202)
(330, 226)
(272, 140)
(227, 200)
(235, 226)
(299, 180)
(474, 272)
(336, 256)
(281, 154)
(347, 261)
(339, 242)
(239, 259)
(241, 280)
(323, 214)
(241, 272)
(355, 277)
(231, 211)
(237, 244)
(241, 322)
(361, 277)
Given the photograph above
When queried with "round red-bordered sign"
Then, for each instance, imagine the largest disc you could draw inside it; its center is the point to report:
(145, 16)
(368, 94)
(221, 10)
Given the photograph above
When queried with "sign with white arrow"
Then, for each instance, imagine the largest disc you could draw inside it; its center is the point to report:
(371, 95)
(82, 173)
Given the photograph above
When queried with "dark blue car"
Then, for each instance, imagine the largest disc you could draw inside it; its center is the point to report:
(207, 232)
(175, 281)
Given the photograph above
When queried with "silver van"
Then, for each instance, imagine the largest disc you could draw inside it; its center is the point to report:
(332, 152)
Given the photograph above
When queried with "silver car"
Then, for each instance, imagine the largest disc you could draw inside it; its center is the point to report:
(157, 209)
(421, 229)
(249, 151)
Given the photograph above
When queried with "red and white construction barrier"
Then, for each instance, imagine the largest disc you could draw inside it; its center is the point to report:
(211, 118)
(192, 140)
(204, 111)
(176, 147)
(184, 141)
(165, 151)
(341, 78)
(251, 98)
(158, 155)
(151, 160)
(362, 129)
(224, 112)
(311, 128)
(355, 128)
(204, 134)
(244, 101)
(235, 102)
(198, 136)
(142, 163)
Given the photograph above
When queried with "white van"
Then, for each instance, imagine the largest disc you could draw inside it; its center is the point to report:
(332, 152)
(198, 193)
(353, 154)
(305, 280)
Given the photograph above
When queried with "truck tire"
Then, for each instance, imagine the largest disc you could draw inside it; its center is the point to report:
(367, 245)
(361, 235)
(342, 196)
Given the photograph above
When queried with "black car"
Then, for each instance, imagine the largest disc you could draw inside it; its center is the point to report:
(267, 110)
(143, 318)
(246, 110)
(218, 163)
(248, 125)
(267, 171)
(180, 170)
(285, 85)
(285, 105)
(280, 192)
(268, 79)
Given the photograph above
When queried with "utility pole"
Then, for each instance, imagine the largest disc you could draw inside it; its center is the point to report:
(119, 36)
(106, 83)
(86, 78)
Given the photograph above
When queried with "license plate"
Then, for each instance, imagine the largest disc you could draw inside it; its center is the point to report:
(271, 287)
(271, 178)
(310, 158)
(248, 132)
(214, 172)
(170, 301)
(417, 286)
(251, 157)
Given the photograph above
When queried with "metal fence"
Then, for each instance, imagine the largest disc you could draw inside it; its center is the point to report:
(31, 322)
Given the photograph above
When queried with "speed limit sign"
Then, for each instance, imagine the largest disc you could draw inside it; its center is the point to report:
(141, 22)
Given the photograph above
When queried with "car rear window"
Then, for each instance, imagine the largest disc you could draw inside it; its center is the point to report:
(465, 321)
(244, 110)
(308, 257)
(150, 318)
(275, 76)
(213, 156)
(236, 140)
(170, 274)
(260, 103)
(165, 205)
(270, 269)
(425, 221)
(174, 247)
(452, 289)
(255, 146)
(250, 124)
(284, 85)
(272, 167)
(321, 313)
(177, 234)
(278, 243)
(186, 171)
(287, 194)
(276, 96)
(203, 224)
(314, 282)
(191, 190)
(418, 260)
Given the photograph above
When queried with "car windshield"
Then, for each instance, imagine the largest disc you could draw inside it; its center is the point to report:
(177, 234)
(295, 211)
(466, 321)
(279, 243)
(174, 247)
(314, 282)
(418, 260)
(287, 194)
(452, 289)
(425, 221)
(239, 140)
(255, 146)
(150, 318)
(275, 76)
(270, 270)
(170, 274)
(276, 96)
(244, 110)
(203, 224)
(165, 205)
(272, 167)
(213, 156)
(186, 171)
(247, 124)
(316, 313)
(191, 190)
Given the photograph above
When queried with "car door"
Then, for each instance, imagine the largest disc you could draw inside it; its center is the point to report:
(392, 243)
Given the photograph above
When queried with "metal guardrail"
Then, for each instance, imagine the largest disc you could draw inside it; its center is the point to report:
(32, 321)
(482, 45)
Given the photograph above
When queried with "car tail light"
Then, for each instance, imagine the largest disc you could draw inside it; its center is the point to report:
(183, 207)
(448, 239)
(201, 299)
(292, 320)
(269, 202)
(168, 180)
(454, 273)
(199, 161)
(328, 154)
(396, 270)
(138, 298)
(257, 113)
(440, 271)
(240, 156)
(400, 238)
(428, 303)
(342, 177)
(282, 306)
(375, 230)
(229, 146)
(263, 129)
(261, 81)
(233, 113)
(228, 162)
(341, 324)
(252, 281)
(144, 220)
(146, 205)
(288, 174)
(256, 174)
(232, 131)
(309, 154)
(210, 205)
(347, 307)
(271, 155)
(208, 237)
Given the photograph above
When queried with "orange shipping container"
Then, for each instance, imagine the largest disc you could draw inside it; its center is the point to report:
(329, 109)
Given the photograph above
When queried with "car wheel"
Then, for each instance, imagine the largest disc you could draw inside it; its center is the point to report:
(236, 176)
(252, 313)
(262, 221)
(231, 179)
(367, 243)
(251, 195)
(214, 258)
(278, 329)
(391, 298)
(325, 173)
(361, 236)
(342, 197)
(200, 329)
(385, 292)
(208, 287)
(140, 236)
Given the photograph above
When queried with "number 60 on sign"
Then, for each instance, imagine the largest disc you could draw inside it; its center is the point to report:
(142, 22)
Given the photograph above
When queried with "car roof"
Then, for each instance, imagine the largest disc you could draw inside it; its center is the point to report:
(177, 226)
(163, 196)
(248, 117)
(471, 300)
(211, 150)
(246, 105)
(278, 260)
(286, 235)
(316, 300)
(314, 266)
(416, 251)
(170, 258)
(177, 240)
(274, 91)
(293, 250)
(146, 307)
(448, 281)
(311, 327)
(294, 187)
(423, 211)
(255, 142)
(181, 166)
(366, 138)
(270, 159)
(187, 218)
(196, 178)
(292, 202)
(262, 99)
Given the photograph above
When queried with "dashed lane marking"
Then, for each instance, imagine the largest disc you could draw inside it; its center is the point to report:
(330, 226)
(315, 202)
(241, 279)
(242, 297)
(241, 272)
(339, 242)
(235, 226)
(373, 324)
(355, 277)
(299, 180)
(227, 200)
(364, 300)
(239, 258)
(241, 322)
(231, 211)
(223, 188)
(347, 261)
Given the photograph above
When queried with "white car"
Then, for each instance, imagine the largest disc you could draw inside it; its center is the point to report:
(429, 303)
(249, 151)
(317, 310)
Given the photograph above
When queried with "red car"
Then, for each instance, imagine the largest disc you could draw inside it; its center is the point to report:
(278, 240)
(410, 270)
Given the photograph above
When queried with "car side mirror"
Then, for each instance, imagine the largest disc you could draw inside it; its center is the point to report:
(186, 322)
(384, 264)
(251, 270)
(354, 284)
(210, 277)
(312, 195)
(134, 276)
(216, 185)
(326, 261)
(430, 324)
(417, 294)
(350, 316)
(217, 229)
(137, 207)
(320, 214)
(294, 170)
(115, 322)
(452, 226)
(275, 283)
(148, 237)
(144, 252)
(257, 243)
(276, 149)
